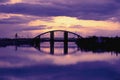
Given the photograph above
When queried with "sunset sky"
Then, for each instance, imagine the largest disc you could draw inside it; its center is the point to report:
(29, 18)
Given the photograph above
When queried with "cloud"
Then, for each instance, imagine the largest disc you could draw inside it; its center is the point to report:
(15, 1)
(2, 1)
(61, 14)
(71, 22)
(13, 20)
(42, 27)
(97, 10)
(26, 24)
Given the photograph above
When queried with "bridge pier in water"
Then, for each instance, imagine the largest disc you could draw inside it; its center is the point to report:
(37, 42)
(52, 42)
(65, 42)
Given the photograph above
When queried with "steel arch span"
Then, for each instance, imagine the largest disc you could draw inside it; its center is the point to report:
(52, 40)
(78, 36)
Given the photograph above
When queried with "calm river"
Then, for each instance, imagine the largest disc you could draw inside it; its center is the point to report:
(29, 63)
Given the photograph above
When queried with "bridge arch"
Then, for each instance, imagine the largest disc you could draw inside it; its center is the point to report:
(38, 36)
(52, 39)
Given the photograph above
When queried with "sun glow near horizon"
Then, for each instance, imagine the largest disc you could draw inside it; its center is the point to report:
(67, 22)
(15, 1)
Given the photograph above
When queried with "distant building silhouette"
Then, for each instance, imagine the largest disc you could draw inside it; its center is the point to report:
(16, 36)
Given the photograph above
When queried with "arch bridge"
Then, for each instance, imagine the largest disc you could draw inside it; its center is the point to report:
(52, 39)
(58, 39)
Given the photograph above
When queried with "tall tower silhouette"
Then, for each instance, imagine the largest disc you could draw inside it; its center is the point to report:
(16, 36)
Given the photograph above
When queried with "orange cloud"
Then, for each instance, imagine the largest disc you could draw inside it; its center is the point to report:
(67, 22)
(79, 26)
(15, 1)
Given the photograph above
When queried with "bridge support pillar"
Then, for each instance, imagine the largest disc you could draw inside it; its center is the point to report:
(65, 42)
(52, 42)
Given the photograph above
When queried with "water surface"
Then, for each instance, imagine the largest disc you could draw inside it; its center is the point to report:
(29, 63)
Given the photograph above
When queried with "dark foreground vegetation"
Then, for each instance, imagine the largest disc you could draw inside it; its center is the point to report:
(13, 42)
(99, 44)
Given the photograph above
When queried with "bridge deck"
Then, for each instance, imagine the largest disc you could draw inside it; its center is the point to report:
(58, 40)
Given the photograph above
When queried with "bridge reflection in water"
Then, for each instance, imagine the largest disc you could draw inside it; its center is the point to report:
(58, 48)
(56, 36)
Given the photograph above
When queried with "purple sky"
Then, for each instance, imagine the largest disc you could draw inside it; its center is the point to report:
(16, 16)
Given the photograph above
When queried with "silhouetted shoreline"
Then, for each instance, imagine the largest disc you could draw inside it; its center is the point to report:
(99, 44)
(93, 43)
(13, 42)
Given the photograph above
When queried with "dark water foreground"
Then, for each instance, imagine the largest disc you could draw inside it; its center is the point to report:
(92, 62)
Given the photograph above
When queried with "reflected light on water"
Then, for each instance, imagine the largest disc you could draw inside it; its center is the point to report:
(30, 56)
(29, 63)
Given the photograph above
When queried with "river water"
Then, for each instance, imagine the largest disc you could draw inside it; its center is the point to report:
(29, 63)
